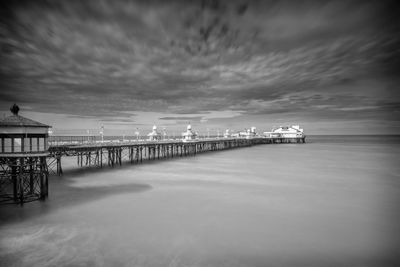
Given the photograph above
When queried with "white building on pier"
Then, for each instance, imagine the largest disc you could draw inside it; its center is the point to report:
(247, 133)
(227, 133)
(293, 131)
(189, 134)
(154, 135)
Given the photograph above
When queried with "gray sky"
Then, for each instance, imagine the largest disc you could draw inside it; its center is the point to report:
(330, 66)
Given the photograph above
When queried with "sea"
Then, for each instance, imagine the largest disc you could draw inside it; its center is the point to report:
(333, 201)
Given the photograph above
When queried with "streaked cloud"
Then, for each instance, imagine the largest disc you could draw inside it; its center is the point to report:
(227, 62)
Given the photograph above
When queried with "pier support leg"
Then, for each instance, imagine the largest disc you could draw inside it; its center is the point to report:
(44, 184)
(31, 181)
(21, 181)
(59, 168)
(101, 158)
(14, 179)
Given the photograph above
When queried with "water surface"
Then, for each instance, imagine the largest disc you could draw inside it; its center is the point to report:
(333, 201)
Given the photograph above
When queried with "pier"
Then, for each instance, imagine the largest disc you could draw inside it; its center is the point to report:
(28, 155)
(24, 173)
(111, 154)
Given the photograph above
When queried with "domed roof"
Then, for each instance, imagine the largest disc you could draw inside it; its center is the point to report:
(154, 127)
(189, 127)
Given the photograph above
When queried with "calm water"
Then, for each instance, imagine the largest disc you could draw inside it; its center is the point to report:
(331, 202)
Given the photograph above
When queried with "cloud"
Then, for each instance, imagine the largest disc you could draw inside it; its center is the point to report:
(104, 59)
(198, 118)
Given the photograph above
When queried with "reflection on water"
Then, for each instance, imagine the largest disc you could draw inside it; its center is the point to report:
(328, 203)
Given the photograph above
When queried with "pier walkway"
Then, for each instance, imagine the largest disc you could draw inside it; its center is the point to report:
(109, 153)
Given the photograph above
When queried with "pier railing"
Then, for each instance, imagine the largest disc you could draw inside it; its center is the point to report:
(97, 140)
(54, 141)
(88, 139)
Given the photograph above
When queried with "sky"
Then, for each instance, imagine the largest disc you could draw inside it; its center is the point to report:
(330, 66)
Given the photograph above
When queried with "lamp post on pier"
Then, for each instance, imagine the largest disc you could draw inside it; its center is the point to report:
(102, 133)
(49, 132)
(137, 134)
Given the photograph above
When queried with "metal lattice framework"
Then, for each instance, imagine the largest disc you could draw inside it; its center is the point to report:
(114, 154)
(23, 179)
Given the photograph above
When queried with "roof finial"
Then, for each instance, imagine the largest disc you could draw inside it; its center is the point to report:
(14, 109)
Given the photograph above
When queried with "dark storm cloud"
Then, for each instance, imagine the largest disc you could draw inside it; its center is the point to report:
(98, 58)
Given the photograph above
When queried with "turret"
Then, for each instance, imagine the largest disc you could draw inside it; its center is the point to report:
(188, 135)
(154, 135)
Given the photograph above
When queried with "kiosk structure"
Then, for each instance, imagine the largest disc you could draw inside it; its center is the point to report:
(189, 135)
(23, 152)
(154, 135)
